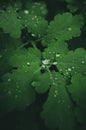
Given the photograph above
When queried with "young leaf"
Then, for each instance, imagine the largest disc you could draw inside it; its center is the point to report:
(55, 49)
(64, 27)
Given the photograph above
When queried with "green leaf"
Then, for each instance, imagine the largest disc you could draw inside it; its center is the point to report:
(41, 83)
(36, 8)
(55, 49)
(15, 88)
(73, 62)
(10, 23)
(57, 110)
(25, 57)
(15, 93)
(77, 90)
(36, 25)
(27, 62)
(72, 8)
(64, 27)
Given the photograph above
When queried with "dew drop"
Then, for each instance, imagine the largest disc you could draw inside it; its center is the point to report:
(26, 11)
(54, 63)
(9, 80)
(57, 55)
(73, 67)
(83, 62)
(45, 62)
(55, 95)
(69, 28)
(54, 83)
(9, 92)
(28, 63)
(69, 69)
(35, 16)
(55, 78)
(33, 34)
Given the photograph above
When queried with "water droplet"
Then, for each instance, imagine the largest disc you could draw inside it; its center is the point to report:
(67, 72)
(73, 67)
(32, 18)
(54, 83)
(56, 91)
(69, 69)
(33, 35)
(60, 70)
(9, 92)
(55, 95)
(26, 11)
(83, 62)
(9, 80)
(69, 28)
(35, 16)
(45, 62)
(28, 63)
(57, 55)
(56, 78)
(54, 63)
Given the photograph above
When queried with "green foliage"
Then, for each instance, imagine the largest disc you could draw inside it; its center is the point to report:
(54, 50)
(37, 8)
(33, 19)
(15, 85)
(10, 19)
(34, 24)
(59, 30)
(41, 66)
(73, 62)
(39, 84)
(14, 93)
(78, 90)
(58, 107)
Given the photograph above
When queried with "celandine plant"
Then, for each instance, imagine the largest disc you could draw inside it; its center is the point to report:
(40, 55)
